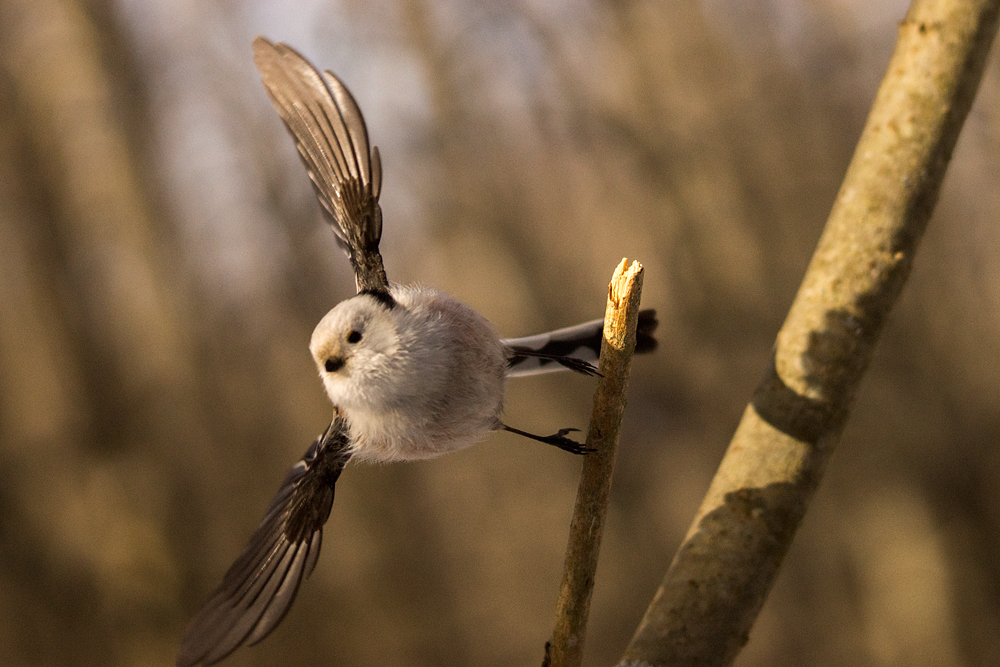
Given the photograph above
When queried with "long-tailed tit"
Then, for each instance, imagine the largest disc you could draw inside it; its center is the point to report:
(412, 373)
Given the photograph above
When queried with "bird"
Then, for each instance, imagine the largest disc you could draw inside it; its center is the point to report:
(412, 373)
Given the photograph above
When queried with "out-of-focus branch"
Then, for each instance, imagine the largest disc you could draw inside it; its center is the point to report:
(128, 311)
(720, 576)
(573, 606)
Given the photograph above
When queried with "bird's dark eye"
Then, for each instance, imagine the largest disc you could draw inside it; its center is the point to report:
(354, 337)
(332, 365)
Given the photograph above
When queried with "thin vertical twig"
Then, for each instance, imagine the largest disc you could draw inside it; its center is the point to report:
(573, 607)
(720, 576)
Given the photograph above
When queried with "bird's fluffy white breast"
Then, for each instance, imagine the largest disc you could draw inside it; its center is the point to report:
(440, 389)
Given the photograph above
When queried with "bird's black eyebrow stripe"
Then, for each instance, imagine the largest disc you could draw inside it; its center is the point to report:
(382, 296)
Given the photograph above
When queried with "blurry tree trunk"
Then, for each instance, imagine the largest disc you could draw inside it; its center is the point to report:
(720, 576)
(122, 309)
(98, 374)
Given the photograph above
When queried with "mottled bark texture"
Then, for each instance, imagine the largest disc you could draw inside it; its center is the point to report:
(720, 576)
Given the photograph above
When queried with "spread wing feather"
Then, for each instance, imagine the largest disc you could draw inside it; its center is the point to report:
(259, 588)
(330, 134)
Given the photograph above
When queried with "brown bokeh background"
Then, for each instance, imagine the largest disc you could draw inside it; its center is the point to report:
(163, 262)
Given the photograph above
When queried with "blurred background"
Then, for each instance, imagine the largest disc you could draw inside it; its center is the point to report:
(163, 262)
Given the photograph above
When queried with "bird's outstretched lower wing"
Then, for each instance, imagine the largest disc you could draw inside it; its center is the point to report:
(573, 348)
(260, 586)
(330, 134)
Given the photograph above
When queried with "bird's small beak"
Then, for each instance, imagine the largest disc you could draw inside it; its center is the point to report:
(333, 364)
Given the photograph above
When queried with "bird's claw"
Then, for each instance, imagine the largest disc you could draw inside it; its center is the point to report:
(566, 444)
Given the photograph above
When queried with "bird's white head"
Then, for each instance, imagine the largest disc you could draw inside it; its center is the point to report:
(353, 346)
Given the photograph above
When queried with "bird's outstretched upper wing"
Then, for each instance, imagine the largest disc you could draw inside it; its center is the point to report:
(260, 586)
(573, 348)
(330, 133)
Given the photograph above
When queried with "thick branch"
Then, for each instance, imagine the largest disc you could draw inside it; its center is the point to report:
(573, 607)
(720, 576)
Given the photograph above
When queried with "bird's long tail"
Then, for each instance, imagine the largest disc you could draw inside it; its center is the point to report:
(575, 348)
